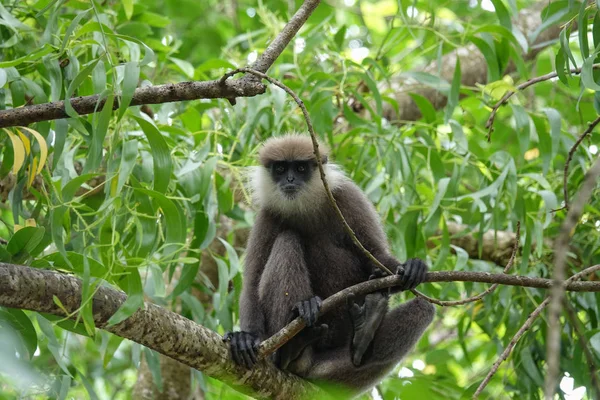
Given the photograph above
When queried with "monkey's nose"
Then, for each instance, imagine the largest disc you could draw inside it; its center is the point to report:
(290, 179)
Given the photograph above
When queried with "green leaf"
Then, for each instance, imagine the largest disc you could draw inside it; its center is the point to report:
(152, 359)
(502, 14)
(234, 261)
(491, 189)
(31, 57)
(75, 83)
(75, 264)
(462, 145)
(74, 24)
(439, 195)
(430, 80)
(113, 344)
(135, 298)
(425, 107)
(128, 160)
(582, 23)
(20, 322)
(454, 92)
(160, 154)
(587, 74)
(340, 36)
(186, 279)
(25, 240)
(185, 66)
(53, 345)
(128, 7)
(130, 82)
(94, 158)
(174, 220)
(3, 77)
(486, 48)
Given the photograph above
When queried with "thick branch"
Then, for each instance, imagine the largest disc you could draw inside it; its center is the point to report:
(146, 95)
(152, 326)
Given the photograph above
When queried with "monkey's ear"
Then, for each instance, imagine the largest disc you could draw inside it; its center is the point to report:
(324, 159)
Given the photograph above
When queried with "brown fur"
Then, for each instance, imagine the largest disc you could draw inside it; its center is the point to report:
(290, 147)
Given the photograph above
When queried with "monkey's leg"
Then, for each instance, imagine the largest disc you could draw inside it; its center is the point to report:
(397, 335)
(294, 348)
(285, 281)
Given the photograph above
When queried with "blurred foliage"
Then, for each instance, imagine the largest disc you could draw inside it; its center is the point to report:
(139, 198)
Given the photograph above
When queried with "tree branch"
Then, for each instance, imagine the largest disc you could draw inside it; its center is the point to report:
(558, 276)
(191, 90)
(152, 326)
(338, 299)
(196, 346)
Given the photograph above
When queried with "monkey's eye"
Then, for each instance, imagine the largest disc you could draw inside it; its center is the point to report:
(280, 169)
(301, 168)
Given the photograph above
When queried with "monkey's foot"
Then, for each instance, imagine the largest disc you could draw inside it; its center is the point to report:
(244, 347)
(308, 310)
(366, 319)
(413, 273)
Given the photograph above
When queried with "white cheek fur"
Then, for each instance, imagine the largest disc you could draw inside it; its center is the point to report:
(265, 193)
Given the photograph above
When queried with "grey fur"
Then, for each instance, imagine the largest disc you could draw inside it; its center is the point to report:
(298, 249)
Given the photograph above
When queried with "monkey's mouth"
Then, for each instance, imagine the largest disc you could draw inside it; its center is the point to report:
(290, 190)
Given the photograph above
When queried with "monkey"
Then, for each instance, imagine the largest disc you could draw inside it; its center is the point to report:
(298, 253)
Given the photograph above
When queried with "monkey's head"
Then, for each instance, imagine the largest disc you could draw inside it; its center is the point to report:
(288, 180)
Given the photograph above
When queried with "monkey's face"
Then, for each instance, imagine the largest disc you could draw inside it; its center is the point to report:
(291, 177)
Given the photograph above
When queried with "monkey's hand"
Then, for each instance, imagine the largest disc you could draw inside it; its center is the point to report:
(308, 310)
(243, 347)
(413, 273)
(366, 319)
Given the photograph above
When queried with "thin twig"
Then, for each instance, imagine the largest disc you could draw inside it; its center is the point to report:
(524, 329)
(589, 357)
(338, 299)
(589, 129)
(317, 155)
(477, 297)
(561, 246)
(490, 122)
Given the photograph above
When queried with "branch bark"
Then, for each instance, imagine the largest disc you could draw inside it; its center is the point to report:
(152, 326)
(192, 90)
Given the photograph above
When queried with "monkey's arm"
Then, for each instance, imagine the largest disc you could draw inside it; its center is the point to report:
(244, 344)
(362, 217)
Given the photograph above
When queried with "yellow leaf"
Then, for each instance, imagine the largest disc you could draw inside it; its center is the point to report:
(531, 154)
(17, 227)
(32, 172)
(30, 222)
(43, 147)
(19, 151)
(26, 142)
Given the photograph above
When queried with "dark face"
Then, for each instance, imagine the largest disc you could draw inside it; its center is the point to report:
(291, 176)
